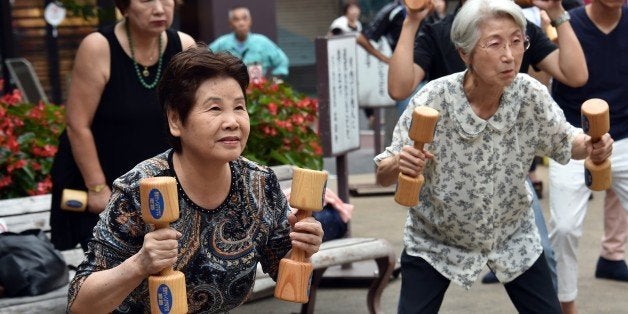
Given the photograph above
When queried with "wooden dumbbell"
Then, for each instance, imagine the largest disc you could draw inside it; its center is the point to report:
(417, 5)
(74, 200)
(160, 206)
(421, 132)
(293, 280)
(596, 122)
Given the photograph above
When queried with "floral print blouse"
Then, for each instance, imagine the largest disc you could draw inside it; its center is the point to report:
(474, 206)
(220, 247)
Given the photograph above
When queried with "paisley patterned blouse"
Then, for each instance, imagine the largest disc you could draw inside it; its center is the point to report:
(220, 248)
(474, 207)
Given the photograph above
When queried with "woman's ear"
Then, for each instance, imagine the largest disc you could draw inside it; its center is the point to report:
(174, 123)
(466, 58)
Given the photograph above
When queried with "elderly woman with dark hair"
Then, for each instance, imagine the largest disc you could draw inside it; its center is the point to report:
(474, 207)
(233, 213)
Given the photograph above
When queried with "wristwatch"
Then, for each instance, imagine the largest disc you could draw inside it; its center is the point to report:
(561, 19)
(97, 188)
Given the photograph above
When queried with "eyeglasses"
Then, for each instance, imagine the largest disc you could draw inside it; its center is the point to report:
(517, 44)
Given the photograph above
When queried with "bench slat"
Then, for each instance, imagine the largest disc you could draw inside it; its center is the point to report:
(20, 223)
(24, 205)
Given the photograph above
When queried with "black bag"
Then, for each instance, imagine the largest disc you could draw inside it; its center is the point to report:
(29, 264)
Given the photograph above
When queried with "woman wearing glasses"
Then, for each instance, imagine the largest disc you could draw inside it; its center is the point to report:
(474, 207)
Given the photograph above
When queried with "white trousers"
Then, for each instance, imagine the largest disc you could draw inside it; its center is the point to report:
(569, 197)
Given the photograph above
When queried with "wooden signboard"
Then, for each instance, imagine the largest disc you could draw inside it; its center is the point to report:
(373, 77)
(336, 66)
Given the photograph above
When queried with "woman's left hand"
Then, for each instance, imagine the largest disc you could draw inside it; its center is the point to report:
(306, 234)
(600, 150)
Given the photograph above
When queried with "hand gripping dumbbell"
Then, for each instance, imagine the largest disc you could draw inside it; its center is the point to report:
(76, 200)
(160, 206)
(595, 122)
(417, 5)
(421, 132)
(293, 280)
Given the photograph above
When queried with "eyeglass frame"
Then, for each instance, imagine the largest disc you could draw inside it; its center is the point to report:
(526, 45)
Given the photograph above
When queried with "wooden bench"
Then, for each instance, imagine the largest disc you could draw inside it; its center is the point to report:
(34, 212)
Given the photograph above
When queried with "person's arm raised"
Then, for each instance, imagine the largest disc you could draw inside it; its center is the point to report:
(567, 64)
(403, 74)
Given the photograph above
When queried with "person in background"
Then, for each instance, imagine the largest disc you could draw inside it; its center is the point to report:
(388, 23)
(233, 213)
(602, 28)
(349, 23)
(256, 50)
(112, 115)
(474, 207)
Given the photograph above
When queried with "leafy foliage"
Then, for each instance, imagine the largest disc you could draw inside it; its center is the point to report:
(28, 143)
(282, 126)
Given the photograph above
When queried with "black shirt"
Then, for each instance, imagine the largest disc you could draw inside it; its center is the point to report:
(388, 23)
(436, 54)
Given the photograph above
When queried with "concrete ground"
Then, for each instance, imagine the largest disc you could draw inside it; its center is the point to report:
(381, 217)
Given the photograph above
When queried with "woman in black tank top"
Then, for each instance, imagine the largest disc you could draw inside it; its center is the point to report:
(113, 118)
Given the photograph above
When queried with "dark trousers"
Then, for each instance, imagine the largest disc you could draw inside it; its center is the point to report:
(423, 288)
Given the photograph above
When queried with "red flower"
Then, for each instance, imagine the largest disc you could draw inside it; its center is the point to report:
(16, 165)
(272, 108)
(12, 98)
(35, 165)
(44, 186)
(46, 151)
(12, 144)
(297, 119)
(5, 181)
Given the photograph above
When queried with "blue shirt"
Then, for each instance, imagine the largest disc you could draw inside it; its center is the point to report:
(256, 49)
(607, 60)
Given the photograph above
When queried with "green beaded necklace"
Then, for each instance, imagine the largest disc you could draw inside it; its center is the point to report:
(144, 73)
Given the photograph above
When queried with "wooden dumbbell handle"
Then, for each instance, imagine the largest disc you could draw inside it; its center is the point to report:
(297, 254)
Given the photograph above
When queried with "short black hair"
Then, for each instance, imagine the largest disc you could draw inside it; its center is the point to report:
(186, 72)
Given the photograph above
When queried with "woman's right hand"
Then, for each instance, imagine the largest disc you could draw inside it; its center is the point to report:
(411, 161)
(159, 251)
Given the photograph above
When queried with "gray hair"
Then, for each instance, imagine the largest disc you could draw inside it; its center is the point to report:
(465, 31)
(239, 7)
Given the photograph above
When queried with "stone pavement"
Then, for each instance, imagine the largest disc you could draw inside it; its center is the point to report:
(380, 216)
